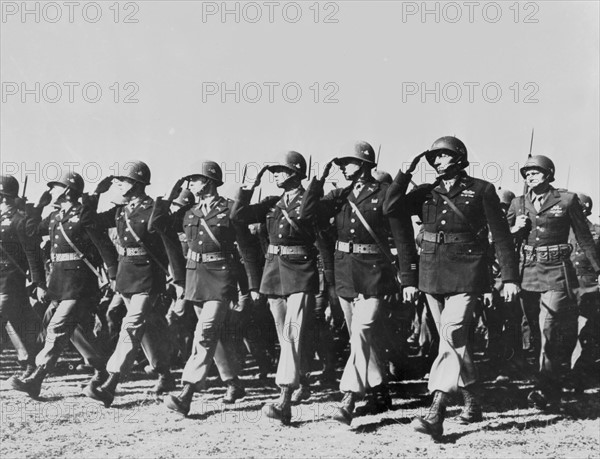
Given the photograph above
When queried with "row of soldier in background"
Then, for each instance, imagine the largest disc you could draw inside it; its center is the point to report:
(351, 250)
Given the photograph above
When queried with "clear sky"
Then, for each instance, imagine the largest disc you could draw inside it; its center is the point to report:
(372, 65)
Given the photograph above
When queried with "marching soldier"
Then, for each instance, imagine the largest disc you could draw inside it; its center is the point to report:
(542, 219)
(73, 282)
(19, 253)
(588, 298)
(456, 212)
(363, 271)
(140, 279)
(211, 284)
(290, 277)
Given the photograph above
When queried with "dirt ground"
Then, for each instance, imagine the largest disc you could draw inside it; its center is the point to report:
(63, 423)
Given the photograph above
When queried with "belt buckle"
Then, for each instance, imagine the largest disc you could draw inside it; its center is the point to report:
(350, 247)
(441, 237)
(277, 250)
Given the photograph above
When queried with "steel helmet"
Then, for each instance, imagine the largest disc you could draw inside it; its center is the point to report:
(293, 161)
(209, 169)
(450, 145)
(360, 150)
(382, 176)
(138, 171)
(9, 186)
(586, 203)
(185, 198)
(71, 180)
(540, 162)
(506, 196)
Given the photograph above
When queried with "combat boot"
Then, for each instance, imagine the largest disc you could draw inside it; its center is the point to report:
(99, 376)
(165, 383)
(235, 391)
(281, 410)
(182, 402)
(472, 410)
(32, 385)
(433, 423)
(27, 370)
(106, 392)
(344, 412)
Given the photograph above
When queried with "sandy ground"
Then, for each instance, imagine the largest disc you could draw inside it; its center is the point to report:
(64, 423)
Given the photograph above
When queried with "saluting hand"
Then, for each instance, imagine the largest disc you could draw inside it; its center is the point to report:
(259, 177)
(176, 190)
(327, 169)
(44, 200)
(104, 185)
(415, 162)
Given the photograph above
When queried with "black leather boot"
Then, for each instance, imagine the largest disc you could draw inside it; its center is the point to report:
(32, 385)
(165, 383)
(344, 412)
(27, 370)
(433, 422)
(106, 392)
(182, 402)
(282, 409)
(472, 410)
(235, 391)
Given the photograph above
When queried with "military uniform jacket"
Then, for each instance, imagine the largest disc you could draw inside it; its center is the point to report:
(457, 267)
(20, 252)
(283, 275)
(73, 279)
(588, 279)
(212, 280)
(356, 273)
(141, 273)
(560, 212)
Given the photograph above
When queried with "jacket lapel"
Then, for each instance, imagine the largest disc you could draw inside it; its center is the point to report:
(369, 189)
(216, 208)
(552, 198)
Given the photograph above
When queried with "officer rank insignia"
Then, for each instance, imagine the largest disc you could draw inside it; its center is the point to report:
(556, 210)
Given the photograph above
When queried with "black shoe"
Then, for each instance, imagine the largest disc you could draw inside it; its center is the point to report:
(31, 385)
(27, 371)
(433, 422)
(344, 412)
(281, 410)
(301, 394)
(182, 402)
(104, 393)
(235, 391)
(97, 379)
(472, 411)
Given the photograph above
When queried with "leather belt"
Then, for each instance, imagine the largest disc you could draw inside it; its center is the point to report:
(447, 238)
(131, 251)
(288, 250)
(352, 247)
(557, 252)
(205, 257)
(60, 257)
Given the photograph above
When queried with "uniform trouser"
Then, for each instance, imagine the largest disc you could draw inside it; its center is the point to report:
(140, 328)
(289, 314)
(24, 323)
(318, 336)
(505, 336)
(453, 317)
(396, 320)
(586, 350)
(362, 370)
(70, 319)
(556, 314)
(212, 340)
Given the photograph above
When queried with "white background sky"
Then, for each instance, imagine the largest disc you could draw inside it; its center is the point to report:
(370, 52)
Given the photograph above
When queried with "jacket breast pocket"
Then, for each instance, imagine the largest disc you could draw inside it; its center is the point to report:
(429, 211)
(190, 229)
(222, 265)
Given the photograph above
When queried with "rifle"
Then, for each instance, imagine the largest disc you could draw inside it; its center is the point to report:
(309, 168)
(378, 153)
(25, 188)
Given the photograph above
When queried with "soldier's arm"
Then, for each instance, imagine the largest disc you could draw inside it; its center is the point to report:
(163, 220)
(100, 239)
(251, 253)
(243, 212)
(583, 234)
(33, 252)
(502, 237)
(404, 238)
(105, 219)
(314, 204)
(397, 200)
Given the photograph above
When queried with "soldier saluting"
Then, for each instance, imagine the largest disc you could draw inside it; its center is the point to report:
(363, 272)
(211, 282)
(542, 219)
(456, 212)
(290, 278)
(73, 282)
(19, 253)
(140, 279)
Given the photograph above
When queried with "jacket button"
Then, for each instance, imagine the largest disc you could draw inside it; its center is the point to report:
(281, 226)
(200, 242)
(466, 202)
(576, 262)
(537, 238)
(56, 237)
(443, 222)
(444, 211)
(125, 238)
(280, 236)
(353, 220)
(352, 230)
